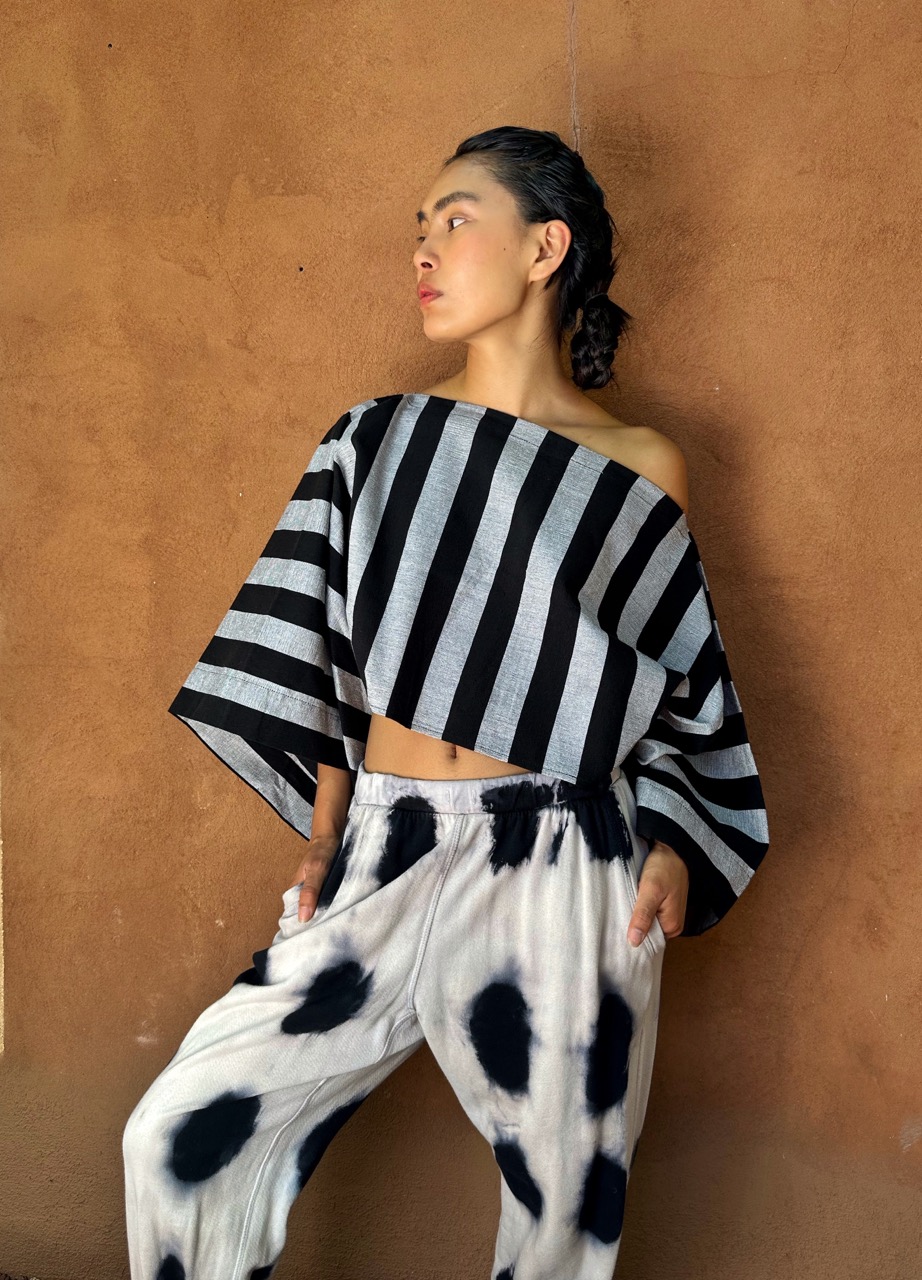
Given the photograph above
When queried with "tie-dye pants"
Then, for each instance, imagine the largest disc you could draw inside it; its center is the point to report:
(486, 916)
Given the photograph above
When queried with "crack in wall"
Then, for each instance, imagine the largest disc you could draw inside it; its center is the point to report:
(571, 74)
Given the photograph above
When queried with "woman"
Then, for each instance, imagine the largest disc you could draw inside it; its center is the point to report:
(477, 667)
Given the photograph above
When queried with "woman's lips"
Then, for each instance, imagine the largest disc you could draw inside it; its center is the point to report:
(428, 297)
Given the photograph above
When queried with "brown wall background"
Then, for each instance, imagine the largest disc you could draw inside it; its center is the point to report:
(206, 253)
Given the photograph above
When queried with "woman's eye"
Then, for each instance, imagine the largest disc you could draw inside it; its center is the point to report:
(420, 239)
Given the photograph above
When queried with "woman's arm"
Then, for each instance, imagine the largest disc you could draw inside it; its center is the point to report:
(334, 791)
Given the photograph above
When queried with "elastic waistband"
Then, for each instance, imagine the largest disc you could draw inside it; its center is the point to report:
(474, 795)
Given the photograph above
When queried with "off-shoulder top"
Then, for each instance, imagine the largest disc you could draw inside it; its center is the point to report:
(485, 580)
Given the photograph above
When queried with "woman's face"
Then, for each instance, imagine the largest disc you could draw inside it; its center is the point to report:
(476, 250)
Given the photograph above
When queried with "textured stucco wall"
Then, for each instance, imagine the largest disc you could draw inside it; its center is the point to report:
(169, 367)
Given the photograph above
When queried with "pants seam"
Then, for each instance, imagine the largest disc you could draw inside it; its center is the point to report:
(638, 1061)
(427, 929)
(245, 1229)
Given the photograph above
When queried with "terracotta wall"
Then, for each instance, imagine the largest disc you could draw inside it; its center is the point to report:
(208, 222)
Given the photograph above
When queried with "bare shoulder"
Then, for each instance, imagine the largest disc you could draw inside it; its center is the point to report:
(642, 449)
(646, 451)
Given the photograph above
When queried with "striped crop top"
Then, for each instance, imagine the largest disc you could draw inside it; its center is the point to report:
(485, 580)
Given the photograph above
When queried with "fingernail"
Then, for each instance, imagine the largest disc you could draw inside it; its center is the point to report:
(635, 936)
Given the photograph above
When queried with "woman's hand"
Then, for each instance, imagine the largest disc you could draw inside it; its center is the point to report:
(662, 891)
(313, 871)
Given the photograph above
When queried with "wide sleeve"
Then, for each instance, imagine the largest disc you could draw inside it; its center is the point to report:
(693, 771)
(277, 689)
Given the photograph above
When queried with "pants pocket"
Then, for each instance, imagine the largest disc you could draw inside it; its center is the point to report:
(655, 938)
(291, 898)
(337, 868)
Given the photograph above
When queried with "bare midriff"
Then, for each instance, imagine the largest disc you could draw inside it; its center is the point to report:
(392, 748)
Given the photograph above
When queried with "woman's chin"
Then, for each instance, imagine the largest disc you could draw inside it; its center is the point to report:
(441, 332)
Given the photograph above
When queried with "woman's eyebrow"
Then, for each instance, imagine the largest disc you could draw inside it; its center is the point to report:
(444, 201)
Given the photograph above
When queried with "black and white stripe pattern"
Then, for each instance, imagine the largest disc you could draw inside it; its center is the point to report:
(484, 580)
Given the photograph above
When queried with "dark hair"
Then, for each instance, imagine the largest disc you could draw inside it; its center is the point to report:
(548, 179)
